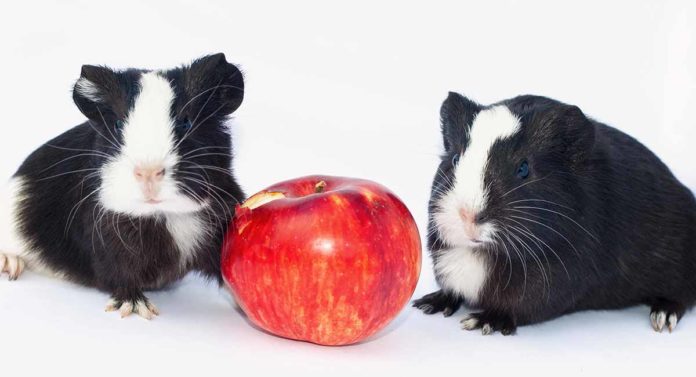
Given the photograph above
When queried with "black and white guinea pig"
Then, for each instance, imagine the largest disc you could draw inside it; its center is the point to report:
(138, 195)
(538, 211)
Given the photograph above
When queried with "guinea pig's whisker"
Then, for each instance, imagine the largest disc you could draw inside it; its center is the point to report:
(117, 228)
(95, 213)
(202, 181)
(533, 240)
(549, 228)
(217, 188)
(190, 192)
(83, 180)
(204, 92)
(212, 93)
(546, 274)
(509, 258)
(540, 200)
(201, 148)
(210, 167)
(213, 217)
(444, 177)
(440, 193)
(552, 250)
(212, 193)
(210, 213)
(206, 179)
(102, 218)
(529, 251)
(218, 218)
(560, 214)
(69, 172)
(94, 226)
(212, 114)
(73, 211)
(432, 231)
(114, 138)
(91, 125)
(525, 184)
(140, 232)
(207, 154)
(111, 141)
(70, 158)
(79, 150)
(195, 125)
(521, 258)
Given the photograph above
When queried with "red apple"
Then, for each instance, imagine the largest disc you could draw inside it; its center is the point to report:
(328, 260)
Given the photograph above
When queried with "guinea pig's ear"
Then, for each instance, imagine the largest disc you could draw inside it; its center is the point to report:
(456, 115)
(96, 91)
(577, 132)
(214, 85)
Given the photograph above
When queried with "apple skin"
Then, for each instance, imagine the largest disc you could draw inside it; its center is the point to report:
(332, 268)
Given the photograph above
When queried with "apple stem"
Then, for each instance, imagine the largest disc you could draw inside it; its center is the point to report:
(319, 187)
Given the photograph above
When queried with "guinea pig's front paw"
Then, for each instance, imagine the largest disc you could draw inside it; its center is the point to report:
(489, 323)
(12, 264)
(438, 302)
(139, 305)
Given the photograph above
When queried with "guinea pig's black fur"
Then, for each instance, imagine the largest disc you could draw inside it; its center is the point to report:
(585, 217)
(64, 219)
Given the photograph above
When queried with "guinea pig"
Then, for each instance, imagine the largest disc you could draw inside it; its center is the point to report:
(537, 211)
(138, 195)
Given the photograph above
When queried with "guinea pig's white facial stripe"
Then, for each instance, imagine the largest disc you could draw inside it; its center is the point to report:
(88, 90)
(468, 190)
(148, 132)
(148, 142)
(489, 126)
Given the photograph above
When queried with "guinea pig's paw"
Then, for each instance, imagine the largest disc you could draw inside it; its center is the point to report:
(140, 306)
(489, 323)
(12, 264)
(438, 302)
(665, 313)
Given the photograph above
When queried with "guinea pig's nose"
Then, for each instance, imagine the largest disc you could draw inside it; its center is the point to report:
(466, 215)
(153, 173)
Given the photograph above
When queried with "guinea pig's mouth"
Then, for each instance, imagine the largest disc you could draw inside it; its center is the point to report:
(153, 201)
(475, 242)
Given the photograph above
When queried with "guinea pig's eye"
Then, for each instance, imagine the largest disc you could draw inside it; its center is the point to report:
(455, 159)
(119, 124)
(523, 170)
(185, 125)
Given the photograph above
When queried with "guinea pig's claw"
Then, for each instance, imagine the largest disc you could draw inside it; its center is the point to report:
(672, 322)
(126, 309)
(469, 322)
(112, 305)
(143, 308)
(146, 310)
(657, 320)
(660, 319)
(12, 264)
(488, 323)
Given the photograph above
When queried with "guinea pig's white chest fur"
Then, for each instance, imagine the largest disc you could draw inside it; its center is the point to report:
(462, 271)
(188, 232)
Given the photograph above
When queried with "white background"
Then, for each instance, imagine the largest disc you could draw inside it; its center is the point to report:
(352, 90)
